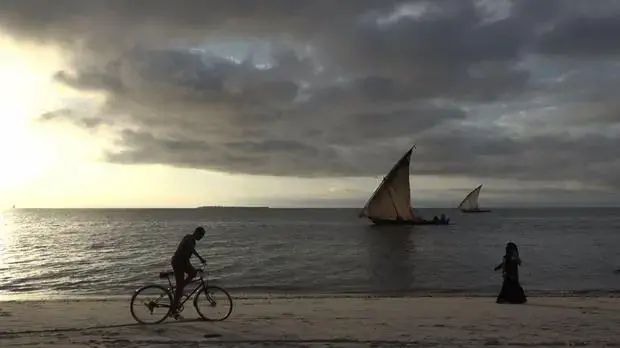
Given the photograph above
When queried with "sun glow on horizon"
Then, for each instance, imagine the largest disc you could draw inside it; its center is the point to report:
(24, 77)
(34, 156)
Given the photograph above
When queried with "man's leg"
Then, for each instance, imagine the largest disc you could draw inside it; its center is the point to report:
(179, 273)
(180, 284)
(191, 272)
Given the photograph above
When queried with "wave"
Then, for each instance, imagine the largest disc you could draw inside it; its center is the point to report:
(279, 293)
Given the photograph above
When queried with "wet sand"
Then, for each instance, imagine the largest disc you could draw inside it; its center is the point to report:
(322, 322)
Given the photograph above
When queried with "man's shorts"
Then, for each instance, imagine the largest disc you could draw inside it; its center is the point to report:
(181, 268)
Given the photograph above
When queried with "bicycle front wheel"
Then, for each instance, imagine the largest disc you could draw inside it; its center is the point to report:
(216, 303)
(151, 304)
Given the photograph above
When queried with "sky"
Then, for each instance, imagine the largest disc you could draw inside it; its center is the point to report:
(307, 103)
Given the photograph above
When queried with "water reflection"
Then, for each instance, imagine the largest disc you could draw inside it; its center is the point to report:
(6, 243)
(390, 267)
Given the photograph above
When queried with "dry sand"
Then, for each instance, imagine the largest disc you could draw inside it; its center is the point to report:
(322, 322)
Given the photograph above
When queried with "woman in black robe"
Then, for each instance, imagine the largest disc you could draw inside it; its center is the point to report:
(511, 292)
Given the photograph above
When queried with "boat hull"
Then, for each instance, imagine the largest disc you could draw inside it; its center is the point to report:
(406, 222)
(476, 211)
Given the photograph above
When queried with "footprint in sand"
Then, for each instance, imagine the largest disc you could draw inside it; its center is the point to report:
(5, 314)
(160, 331)
(213, 335)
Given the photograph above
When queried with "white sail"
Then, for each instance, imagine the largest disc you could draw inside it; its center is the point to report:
(392, 199)
(471, 200)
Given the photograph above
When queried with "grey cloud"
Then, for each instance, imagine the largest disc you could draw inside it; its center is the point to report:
(56, 114)
(600, 114)
(108, 24)
(268, 157)
(583, 37)
(452, 35)
(441, 151)
(446, 41)
(584, 94)
(90, 81)
(589, 158)
(377, 126)
(530, 196)
(347, 88)
(66, 114)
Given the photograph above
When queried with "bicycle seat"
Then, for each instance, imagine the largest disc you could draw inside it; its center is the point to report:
(166, 274)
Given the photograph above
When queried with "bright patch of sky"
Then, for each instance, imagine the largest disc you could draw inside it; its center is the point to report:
(494, 10)
(239, 50)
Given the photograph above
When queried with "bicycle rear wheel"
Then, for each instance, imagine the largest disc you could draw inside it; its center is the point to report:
(147, 300)
(216, 302)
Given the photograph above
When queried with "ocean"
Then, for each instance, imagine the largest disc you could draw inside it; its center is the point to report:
(253, 251)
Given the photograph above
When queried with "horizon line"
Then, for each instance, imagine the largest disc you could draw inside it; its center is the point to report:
(302, 207)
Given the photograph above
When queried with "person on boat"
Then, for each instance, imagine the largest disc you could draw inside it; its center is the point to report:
(435, 219)
(511, 291)
(444, 220)
(181, 264)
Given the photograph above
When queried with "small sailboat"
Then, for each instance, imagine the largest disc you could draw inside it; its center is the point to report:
(470, 202)
(390, 204)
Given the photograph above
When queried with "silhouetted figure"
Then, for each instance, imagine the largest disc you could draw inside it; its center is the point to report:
(444, 220)
(181, 265)
(511, 292)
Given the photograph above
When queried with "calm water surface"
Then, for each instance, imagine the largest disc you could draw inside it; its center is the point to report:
(111, 252)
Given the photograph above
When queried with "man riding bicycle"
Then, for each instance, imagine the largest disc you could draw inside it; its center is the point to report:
(181, 265)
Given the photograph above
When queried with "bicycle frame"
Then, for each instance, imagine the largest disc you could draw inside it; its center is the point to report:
(166, 294)
(202, 284)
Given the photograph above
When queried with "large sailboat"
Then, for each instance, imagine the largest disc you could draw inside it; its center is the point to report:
(470, 202)
(390, 204)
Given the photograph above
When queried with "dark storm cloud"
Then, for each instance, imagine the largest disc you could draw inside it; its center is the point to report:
(267, 151)
(108, 24)
(270, 157)
(350, 84)
(582, 29)
(589, 158)
(582, 37)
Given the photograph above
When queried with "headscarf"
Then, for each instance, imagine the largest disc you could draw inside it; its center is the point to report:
(512, 251)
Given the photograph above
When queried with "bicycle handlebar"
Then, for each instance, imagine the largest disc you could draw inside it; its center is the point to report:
(202, 267)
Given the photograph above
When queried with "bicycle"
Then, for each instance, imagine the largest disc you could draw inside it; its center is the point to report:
(168, 293)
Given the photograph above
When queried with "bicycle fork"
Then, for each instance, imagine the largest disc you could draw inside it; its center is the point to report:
(212, 301)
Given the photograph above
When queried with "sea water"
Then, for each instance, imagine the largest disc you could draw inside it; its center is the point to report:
(110, 252)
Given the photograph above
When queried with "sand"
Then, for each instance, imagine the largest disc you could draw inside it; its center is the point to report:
(322, 322)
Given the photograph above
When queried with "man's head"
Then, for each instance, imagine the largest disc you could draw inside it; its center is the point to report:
(199, 232)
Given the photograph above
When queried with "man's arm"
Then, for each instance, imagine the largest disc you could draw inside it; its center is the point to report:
(198, 256)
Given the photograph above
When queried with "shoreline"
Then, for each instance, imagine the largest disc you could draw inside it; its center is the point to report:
(322, 295)
(322, 322)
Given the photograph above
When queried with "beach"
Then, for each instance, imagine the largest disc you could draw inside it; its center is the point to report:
(322, 322)
(312, 278)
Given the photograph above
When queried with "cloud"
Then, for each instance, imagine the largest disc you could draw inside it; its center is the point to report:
(327, 88)
(101, 25)
(77, 118)
(479, 152)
